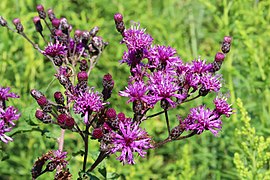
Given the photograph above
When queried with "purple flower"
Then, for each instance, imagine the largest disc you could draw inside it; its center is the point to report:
(55, 49)
(163, 87)
(5, 94)
(3, 129)
(200, 66)
(161, 56)
(136, 38)
(201, 119)
(79, 46)
(58, 157)
(87, 102)
(210, 82)
(130, 138)
(9, 115)
(135, 91)
(222, 107)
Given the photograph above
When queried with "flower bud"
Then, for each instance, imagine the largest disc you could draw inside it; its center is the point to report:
(61, 119)
(56, 23)
(111, 113)
(36, 94)
(77, 35)
(83, 65)
(82, 76)
(42, 101)
(57, 60)
(177, 131)
(18, 25)
(59, 98)
(69, 122)
(219, 57)
(226, 44)
(3, 22)
(41, 12)
(94, 31)
(39, 114)
(97, 133)
(108, 85)
(118, 18)
(51, 14)
(37, 23)
(121, 116)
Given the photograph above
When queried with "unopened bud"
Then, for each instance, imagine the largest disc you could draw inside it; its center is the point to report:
(51, 14)
(3, 22)
(94, 31)
(118, 18)
(18, 25)
(82, 76)
(56, 22)
(37, 23)
(83, 65)
(97, 133)
(59, 98)
(219, 57)
(177, 131)
(39, 114)
(111, 113)
(226, 44)
(41, 12)
(77, 35)
(36, 94)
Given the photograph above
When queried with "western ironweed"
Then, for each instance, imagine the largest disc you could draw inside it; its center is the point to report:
(158, 77)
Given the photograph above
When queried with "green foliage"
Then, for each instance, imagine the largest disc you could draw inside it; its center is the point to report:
(192, 27)
(253, 155)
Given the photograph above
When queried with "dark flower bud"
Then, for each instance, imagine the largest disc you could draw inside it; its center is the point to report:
(69, 122)
(47, 118)
(203, 91)
(39, 114)
(37, 23)
(36, 94)
(115, 123)
(64, 25)
(82, 76)
(226, 44)
(42, 101)
(51, 14)
(57, 60)
(118, 18)
(121, 116)
(3, 22)
(56, 22)
(219, 57)
(108, 85)
(106, 127)
(111, 113)
(177, 131)
(41, 12)
(18, 25)
(93, 32)
(97, 42)
(97, 133)
(227, 39)
(51, 166)
(47, 108)
(83, 65)
(59, 98)
(61, 119)
(85, 37)
(77, 35)
(58, 33)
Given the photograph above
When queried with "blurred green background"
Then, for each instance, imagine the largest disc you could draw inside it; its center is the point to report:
(193, 27)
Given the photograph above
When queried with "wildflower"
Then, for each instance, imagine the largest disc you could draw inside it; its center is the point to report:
(163, 87)
(130, 138)
(5, 94)
(56, 49)
(222, 107)
(87, 102)
(201, 119)
(135, 91)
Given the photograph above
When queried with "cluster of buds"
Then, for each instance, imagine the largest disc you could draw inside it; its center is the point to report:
(53, 160)
(8, 114)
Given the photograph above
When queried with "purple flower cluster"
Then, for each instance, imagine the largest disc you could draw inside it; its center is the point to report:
(7, 114)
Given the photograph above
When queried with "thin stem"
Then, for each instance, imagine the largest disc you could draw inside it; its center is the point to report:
(61, 140)
(100, 158)
(187, 136)
(156, 114)
(86, 132)
(191, 99)
(167, 121)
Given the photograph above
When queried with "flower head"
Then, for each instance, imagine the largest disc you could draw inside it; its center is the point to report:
(135, 91)
(201, 119)
(222, 107)
(130, 138)
(56, 49)
(5, 94)
(3, 129)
